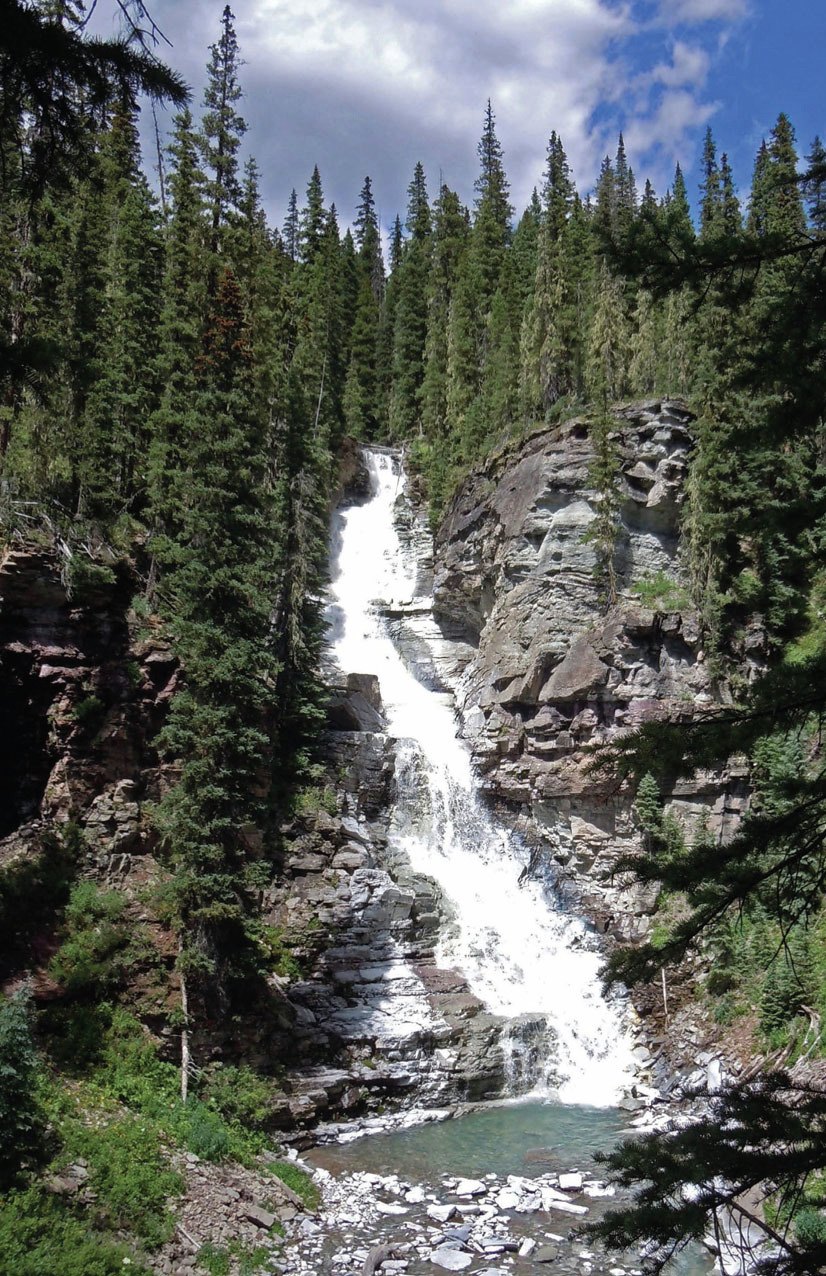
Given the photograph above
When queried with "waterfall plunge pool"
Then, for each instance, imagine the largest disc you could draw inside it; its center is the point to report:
(527, 1139)
(503, 1138)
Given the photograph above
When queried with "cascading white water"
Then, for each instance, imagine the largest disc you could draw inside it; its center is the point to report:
(521, 953)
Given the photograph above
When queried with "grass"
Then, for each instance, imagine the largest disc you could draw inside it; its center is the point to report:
(660, 593)
(299, 1181)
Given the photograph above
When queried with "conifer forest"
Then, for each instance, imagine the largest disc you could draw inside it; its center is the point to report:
(183, 386)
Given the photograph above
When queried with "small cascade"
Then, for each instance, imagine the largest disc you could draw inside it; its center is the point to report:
(523, 955)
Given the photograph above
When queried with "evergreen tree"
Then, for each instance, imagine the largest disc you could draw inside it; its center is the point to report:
(815, 186)
(121, 389)
(181, 325)
(492, 185)
(606, 222)
(368, 240)
(312, 219)
(644, 346)
(219, 583)
(625, 191)
(524, 248)
(732, 217)
(290, 230)
(410, 329)
(608, 349)
(449, 246)
(711, 190)
(222, 128)
(559, 191)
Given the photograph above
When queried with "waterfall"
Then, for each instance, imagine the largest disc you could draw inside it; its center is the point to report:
(522, 954)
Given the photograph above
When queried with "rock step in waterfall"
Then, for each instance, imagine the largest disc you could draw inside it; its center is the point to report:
(527, 960)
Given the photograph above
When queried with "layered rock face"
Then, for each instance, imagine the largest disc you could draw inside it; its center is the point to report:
(83, 699)
(544, 667)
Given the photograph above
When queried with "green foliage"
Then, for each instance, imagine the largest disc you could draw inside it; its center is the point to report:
(32, 887)
(603, 475)
(87, 579)
(660, 592)
(42, 1233)
(128, 1171)
(314, 798)
(89, 711)
(277, 954)
(20, 1118)
(218, 1260)
(98, 945)
(724, 1161)
(243, 1097)
(299, 1181)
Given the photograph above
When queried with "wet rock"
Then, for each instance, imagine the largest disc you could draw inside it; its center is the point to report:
(441, 1213)
(470, 1187)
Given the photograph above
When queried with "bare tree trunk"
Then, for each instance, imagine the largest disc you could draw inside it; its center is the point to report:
(186, 1058)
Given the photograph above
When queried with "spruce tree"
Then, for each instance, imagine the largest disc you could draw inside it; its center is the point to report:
(122, 391)
(218, 586)
(368, 240)
(410, 328)
(312, 219)
(711, 191)
(290, 232)
(222, 128)
(815, 186)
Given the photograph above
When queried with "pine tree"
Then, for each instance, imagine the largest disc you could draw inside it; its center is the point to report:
(608, 348)
(525, 247)
(450, 239)
(312, 219)
(122, 391)
(500, 383)
(815, 186)
(644, 346)
(491, 185)
(732, 217)
(558, 191)
(181, 324)
(290, 231)
(626, 191)
(711, 190)
(410, 329)
(605, 213)
(368, 240)
(219, 583)
(222, 128)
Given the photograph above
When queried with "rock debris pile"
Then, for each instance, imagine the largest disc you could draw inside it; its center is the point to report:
(492, 1226)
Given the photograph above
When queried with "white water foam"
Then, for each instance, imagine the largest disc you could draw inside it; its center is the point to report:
(520, 951)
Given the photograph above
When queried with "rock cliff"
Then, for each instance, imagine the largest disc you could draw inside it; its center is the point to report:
(544, 667)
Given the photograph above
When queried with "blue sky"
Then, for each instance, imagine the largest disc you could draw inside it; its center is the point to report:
(372, 86)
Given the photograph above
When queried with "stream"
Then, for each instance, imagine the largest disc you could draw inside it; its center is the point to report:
(568, 1048)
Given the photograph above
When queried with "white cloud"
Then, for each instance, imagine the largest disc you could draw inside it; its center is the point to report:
(671, 127)
(372, 86)
(703, 10)
(689, 65)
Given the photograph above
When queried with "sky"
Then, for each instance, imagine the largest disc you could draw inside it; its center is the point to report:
(371, 86)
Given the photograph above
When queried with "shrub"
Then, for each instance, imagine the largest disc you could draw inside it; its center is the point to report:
(89, 961)
(20, 1120)
(42, 1234)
